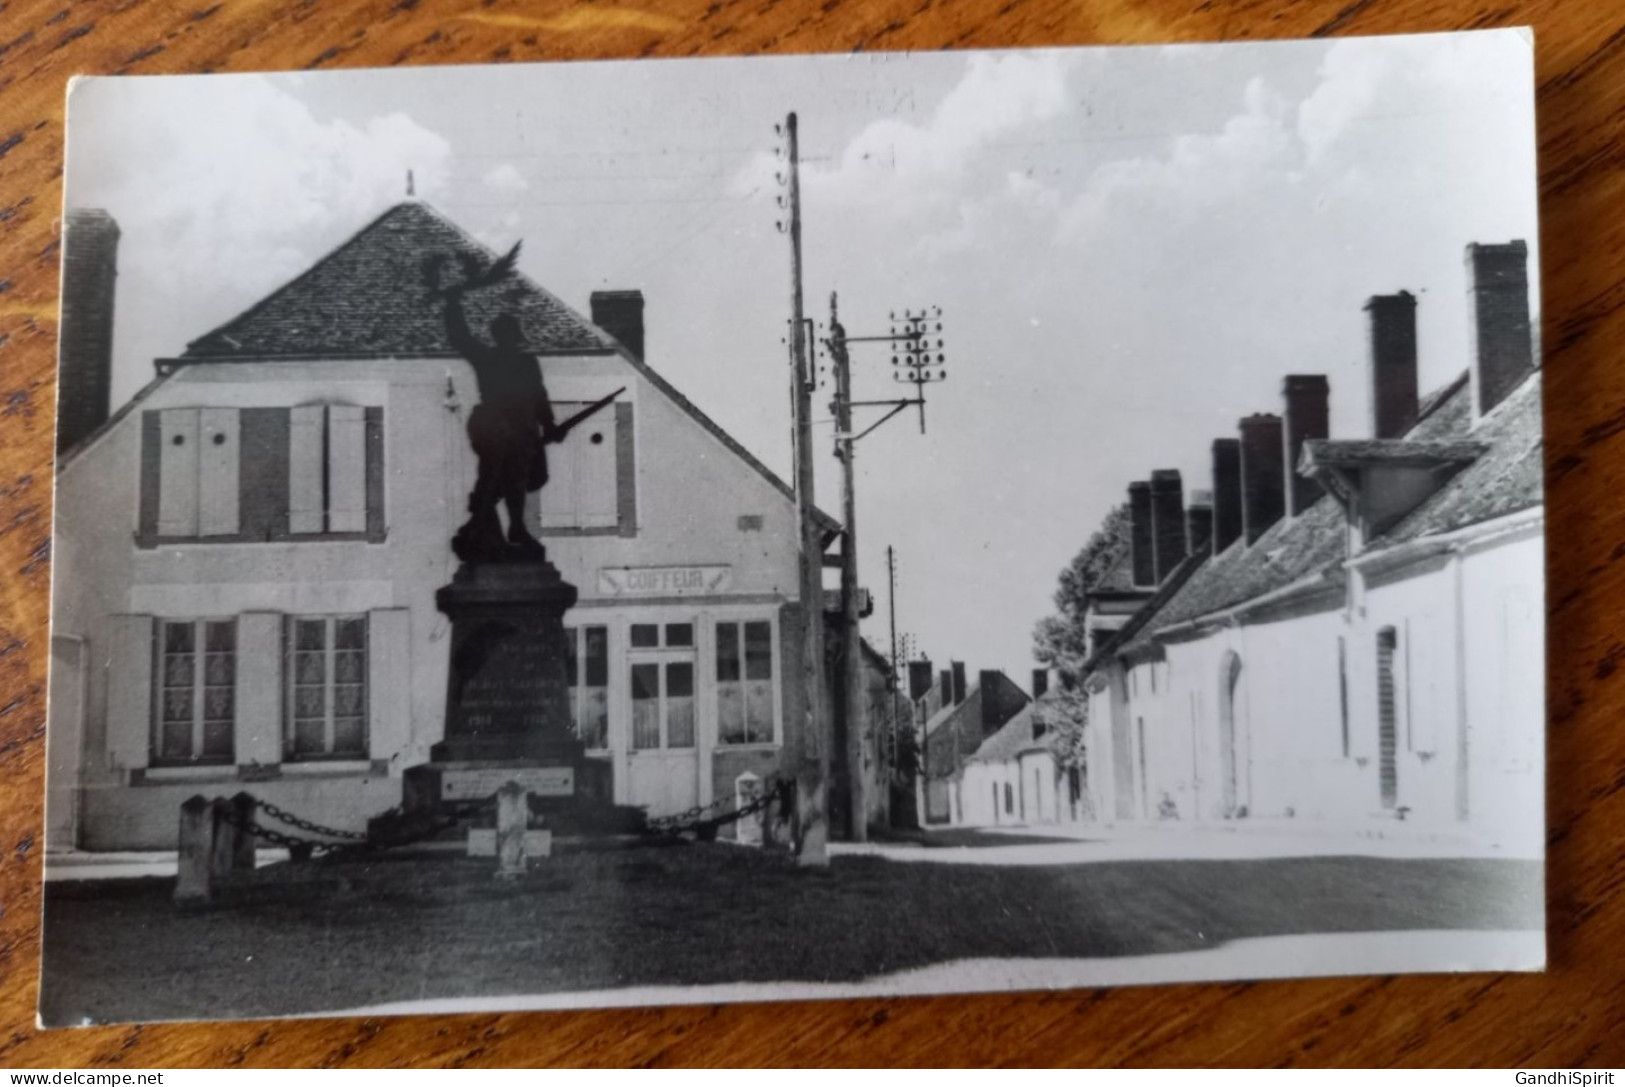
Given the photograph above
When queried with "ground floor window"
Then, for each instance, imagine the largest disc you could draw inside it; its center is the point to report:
(745, 682)
(196, 691)
(588, 667)
(327, 687)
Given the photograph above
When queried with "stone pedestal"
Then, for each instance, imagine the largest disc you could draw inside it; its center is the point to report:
(507, 696)
(507, 691)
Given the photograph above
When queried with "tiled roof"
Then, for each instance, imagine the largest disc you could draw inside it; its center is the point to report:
(1509, 477)
(1506, 476)
(369, 297)
(1015, 737)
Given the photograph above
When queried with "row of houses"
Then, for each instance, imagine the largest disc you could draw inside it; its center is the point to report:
(1340, 631)
(247, 553)
(1345, 629)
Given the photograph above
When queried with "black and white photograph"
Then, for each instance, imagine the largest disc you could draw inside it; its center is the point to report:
(691, 531)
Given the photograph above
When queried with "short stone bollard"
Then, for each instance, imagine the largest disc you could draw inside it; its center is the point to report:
(513, 820)
(750, 830)
(194, 858)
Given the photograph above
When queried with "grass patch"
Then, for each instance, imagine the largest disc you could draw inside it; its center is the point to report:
(353, 933)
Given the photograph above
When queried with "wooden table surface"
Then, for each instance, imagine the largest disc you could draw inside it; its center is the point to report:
(1574, 1015)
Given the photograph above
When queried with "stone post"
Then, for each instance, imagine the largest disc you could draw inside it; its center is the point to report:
(513, 819)
(749, 830)
(193, 885)
(243, 806)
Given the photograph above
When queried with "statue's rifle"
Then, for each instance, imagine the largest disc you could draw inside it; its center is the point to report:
(562, 430)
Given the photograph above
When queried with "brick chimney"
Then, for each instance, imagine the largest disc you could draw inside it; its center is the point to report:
(958, 668)
(988, 680)
(1307, 416)
(1262, 500)
(85, 367)
(945, 686)
(620, 313)
(1141, 543)
(1040, 683)
(1226, 492)
(1498, 296)
(1392, 338)
(919, 679)
(1199, 521)
(1167, 521)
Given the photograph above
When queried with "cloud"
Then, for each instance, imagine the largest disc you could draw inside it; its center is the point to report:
(225, 187)
(505, 179)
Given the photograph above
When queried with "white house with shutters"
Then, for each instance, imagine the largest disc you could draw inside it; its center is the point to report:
(246, 557)
(1362, 641)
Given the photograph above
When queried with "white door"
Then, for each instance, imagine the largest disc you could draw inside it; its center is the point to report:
(663, 766)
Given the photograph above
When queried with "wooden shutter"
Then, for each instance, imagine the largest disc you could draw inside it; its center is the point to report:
(597, 500)
(178, 472)
(258, 733)
(626, 471)
(219, 451)
(306, 469)
(557, 501)
(346, 468)
(129, 691)
(389, 690)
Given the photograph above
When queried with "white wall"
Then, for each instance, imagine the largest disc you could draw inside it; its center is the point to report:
(691, 493)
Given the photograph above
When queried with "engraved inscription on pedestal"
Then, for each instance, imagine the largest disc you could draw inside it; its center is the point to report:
(477, 783)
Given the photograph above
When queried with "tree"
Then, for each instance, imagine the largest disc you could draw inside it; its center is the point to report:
(1061, 641)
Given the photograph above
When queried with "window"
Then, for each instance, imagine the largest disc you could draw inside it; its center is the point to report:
(591, 475)
(327, 688)
(1009, 799)
(588, 668)
(196, 691)
(745, 682)
(662, 704)
(259, 474)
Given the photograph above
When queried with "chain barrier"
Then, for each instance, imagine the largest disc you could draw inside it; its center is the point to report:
(351, 842)
(694, 821)
(702, 821)
(312, 828)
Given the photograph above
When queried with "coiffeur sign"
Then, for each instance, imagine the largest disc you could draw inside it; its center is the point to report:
(664, 580)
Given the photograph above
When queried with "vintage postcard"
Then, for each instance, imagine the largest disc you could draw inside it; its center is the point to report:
(595, 534)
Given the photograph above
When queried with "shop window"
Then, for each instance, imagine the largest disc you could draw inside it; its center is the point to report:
(588, 667)
(327, 688)
(745, 682)
(196, 691)
(591, 475)
(260, 474)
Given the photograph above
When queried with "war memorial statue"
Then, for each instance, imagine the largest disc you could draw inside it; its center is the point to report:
(507, 688)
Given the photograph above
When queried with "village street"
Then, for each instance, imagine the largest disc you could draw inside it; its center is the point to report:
(619, 925)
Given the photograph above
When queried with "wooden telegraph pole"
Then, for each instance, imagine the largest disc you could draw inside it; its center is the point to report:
(854, 704)
(812, 825)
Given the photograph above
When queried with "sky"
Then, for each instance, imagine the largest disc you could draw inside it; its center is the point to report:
(1130, 247)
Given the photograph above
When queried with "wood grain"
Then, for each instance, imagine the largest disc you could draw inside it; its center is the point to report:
(1573, 1015)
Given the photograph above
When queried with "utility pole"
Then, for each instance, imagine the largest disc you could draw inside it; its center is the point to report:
(896, 673)
(811, 800)
(854, 703)
(919, 363)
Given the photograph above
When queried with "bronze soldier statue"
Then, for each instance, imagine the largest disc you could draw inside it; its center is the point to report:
(509, 428)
